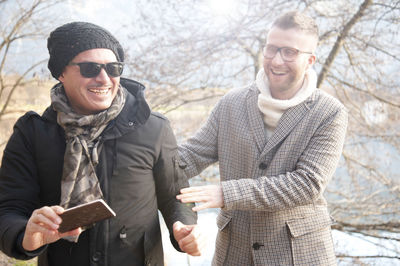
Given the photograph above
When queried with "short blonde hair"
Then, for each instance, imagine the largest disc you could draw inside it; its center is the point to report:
(299, 21)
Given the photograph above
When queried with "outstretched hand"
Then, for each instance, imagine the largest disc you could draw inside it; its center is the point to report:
(42, 228)
(211, 196)
(190, 238)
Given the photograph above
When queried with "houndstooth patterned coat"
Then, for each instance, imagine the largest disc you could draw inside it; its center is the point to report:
(274, 212)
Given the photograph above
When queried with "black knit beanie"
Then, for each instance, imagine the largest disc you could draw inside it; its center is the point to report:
(65, 42)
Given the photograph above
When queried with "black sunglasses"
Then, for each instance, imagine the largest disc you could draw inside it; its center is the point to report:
(92, 69)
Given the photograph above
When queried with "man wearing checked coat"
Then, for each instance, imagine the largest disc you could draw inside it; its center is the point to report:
(278, 143)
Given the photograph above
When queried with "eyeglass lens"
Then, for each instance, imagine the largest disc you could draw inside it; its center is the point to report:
(91, 69)
(287, 53)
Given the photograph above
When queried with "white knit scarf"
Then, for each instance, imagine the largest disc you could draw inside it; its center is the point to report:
(272, 108)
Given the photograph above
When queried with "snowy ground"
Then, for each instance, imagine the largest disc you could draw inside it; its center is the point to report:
(344, 243)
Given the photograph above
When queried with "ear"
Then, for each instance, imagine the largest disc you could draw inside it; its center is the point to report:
(61, 78)
(311, 60)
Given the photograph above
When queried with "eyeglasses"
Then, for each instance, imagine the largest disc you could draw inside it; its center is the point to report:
(288, 54)
(92, 69)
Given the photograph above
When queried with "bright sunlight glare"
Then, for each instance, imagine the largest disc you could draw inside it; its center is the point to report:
(222, 7)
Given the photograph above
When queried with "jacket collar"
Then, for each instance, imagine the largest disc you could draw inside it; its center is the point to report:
(256, 118)
(133, 115)
(285, 125)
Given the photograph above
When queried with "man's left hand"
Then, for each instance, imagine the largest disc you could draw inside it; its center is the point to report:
(211, 196)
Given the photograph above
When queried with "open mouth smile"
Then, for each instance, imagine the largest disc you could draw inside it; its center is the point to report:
(99, 91)
(278, 72)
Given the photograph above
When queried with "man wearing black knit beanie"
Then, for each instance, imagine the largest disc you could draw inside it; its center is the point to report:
(103, 143)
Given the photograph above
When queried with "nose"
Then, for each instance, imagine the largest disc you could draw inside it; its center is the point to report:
(102, 76)
(277, 59)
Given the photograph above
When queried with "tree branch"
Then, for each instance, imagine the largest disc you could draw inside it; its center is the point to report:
(393, 227)
(339, 41)
(380, 98)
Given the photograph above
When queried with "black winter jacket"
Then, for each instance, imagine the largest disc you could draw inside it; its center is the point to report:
(138, 173)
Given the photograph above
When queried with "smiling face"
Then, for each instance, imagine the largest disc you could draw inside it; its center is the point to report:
(90, 95)
(286, 78)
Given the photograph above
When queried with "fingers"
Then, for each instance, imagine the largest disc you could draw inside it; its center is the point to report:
(190, 198)
(194, 194)
(75, 232)
(42, 226)
(180, 227)
(46, 217)
(202, 207)
(211, 196)
(193, 198)
(180, 230)
(193, 243)
(57, 209)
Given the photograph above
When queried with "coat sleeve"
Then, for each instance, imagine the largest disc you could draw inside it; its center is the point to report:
(18, 188)
(304, 184)
(169, 180)
(201, 150)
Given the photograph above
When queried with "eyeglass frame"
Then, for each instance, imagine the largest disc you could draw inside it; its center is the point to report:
(279, 49)
(102, 66)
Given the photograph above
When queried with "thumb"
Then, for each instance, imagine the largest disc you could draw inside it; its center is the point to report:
(178, 226)
(180, 230)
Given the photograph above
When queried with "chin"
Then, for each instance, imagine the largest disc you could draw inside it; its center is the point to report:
(101, 107)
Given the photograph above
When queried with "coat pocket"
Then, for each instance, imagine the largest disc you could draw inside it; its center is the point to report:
(223, 220)
(311, 240)
(302, 226)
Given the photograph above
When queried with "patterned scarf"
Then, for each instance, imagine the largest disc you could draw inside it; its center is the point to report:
(79, 183)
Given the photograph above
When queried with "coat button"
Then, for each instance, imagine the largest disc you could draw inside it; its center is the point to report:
(256, 246)
(182, 166)
(263, 166)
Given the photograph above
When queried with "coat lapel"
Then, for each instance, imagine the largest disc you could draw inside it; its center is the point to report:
(255, 121)
(287, 122)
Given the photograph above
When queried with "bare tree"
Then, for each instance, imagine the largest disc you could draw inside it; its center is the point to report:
(181, 46)
(20, 21)
(360, 68)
